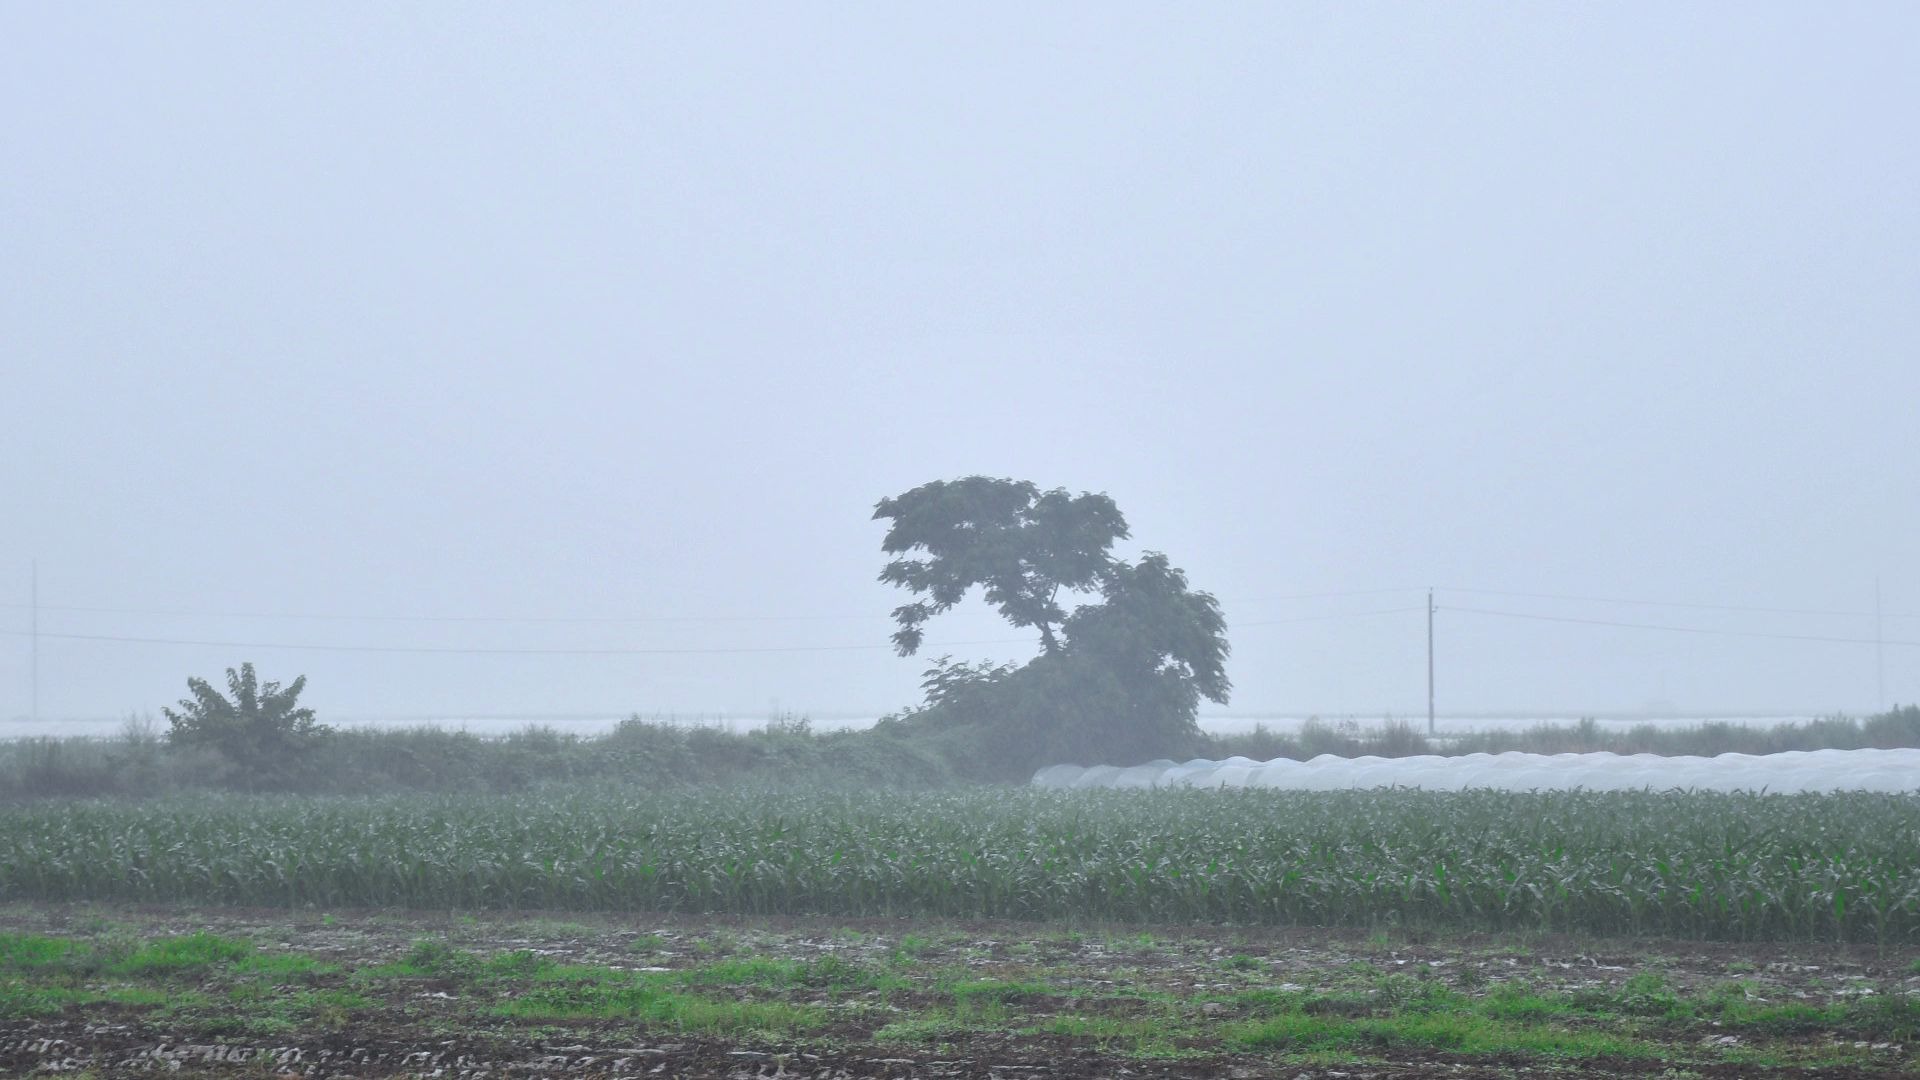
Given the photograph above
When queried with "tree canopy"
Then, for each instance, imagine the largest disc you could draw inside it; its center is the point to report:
(1020, 544)
(1118, 677)
(261, 728)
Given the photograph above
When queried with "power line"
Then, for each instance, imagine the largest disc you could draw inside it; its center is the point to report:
(335, 617)
(562, 619)
(1322, 595)
(1677, 604)
(1323, 618)
(453, 650)
(1679, 629)
(305, 647)
(642, 619)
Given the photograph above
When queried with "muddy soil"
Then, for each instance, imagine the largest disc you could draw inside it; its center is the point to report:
(428, 1039)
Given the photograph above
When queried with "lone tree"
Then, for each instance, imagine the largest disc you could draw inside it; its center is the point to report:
(1118, 679)
(260, 728)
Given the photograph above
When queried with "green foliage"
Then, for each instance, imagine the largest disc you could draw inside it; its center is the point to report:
(181, 955)
(1022, 546)
(429, 956)
(205, 988)
(1462, 1033)
(262, 729)
(1116, 680)
(1701, 865)
(20, 953)
(366, 761)
(912, 752)
(187, 954)
(1899, 727)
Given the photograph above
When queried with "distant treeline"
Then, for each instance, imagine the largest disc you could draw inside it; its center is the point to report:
(1895, 729)
(350, 761)
(788, 754)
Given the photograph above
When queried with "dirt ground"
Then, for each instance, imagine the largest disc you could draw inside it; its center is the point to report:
(1091, 1001)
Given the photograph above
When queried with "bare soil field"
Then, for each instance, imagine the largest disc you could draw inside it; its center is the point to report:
(100, 991)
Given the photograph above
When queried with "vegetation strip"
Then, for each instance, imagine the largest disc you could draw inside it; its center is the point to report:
(661, 754)
(1749, 867)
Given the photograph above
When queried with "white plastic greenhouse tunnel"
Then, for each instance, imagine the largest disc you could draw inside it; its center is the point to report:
(1795, 771)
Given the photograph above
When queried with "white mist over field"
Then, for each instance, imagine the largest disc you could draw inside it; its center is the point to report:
(1792, 771)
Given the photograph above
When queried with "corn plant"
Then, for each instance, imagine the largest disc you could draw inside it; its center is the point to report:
(1730, 866)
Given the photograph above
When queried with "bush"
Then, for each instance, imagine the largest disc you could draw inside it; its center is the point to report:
(261, 729)
(1001, 723)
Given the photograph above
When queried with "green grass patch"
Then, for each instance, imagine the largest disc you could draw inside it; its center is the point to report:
(942, 1022)
(188, 954)
(1141, 1037)
(930, 1027)
(517, 964)
(1001, 991)
(310, 1010)
(822, 973)
(436, 958)
(1892, 1017)
(747, 971)
(427, 958)
(1515, 1003)
(27, 953)
(181, 955)
(1463, 1034)
(21, 998)
(646, 1001)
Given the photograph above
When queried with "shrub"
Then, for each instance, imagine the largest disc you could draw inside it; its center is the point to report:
(261, 729)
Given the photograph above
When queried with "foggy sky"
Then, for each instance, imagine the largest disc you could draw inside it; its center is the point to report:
(624, 312)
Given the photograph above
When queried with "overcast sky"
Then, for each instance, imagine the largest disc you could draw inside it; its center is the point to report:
(633, 312)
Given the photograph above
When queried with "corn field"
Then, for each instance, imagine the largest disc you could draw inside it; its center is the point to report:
(1733, 866)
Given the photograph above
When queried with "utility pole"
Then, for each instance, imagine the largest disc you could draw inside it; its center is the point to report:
(33, 637)
(1429, 661)
(1879, 652)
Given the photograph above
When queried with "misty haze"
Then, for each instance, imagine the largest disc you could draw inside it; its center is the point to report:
(844, 541)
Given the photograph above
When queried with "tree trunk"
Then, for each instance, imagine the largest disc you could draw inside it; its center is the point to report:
(1048, 641)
